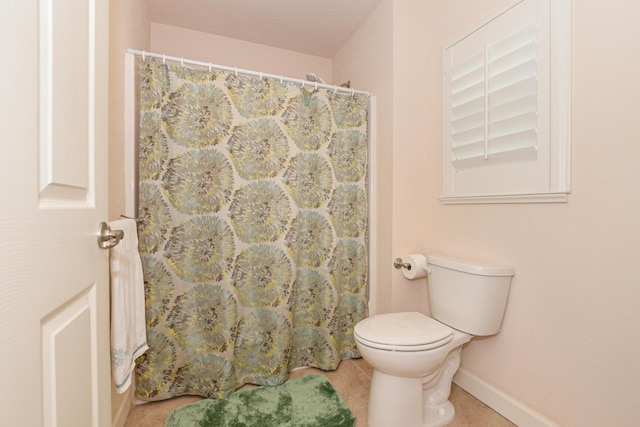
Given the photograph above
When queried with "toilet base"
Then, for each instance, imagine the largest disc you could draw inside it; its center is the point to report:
(398, 401)
(394, 401)
(436, 417)
(413, 402)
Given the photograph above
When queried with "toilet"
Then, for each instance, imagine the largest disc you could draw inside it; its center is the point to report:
(415, 357)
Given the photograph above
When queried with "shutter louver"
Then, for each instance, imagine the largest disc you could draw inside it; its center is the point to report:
(494, 104)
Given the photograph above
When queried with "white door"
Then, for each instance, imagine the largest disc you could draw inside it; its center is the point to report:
(54, 333)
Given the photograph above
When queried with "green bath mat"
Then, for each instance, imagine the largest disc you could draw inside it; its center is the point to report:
(309, 401)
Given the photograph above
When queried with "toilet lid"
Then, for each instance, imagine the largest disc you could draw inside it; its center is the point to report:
(404, 330)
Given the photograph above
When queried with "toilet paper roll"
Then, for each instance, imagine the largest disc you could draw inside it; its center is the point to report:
(417, 264)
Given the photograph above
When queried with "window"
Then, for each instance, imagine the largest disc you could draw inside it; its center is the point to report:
(506, 107)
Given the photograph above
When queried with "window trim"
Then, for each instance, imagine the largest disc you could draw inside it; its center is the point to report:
(559, 111)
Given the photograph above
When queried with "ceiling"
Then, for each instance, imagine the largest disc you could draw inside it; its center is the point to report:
(315, 27)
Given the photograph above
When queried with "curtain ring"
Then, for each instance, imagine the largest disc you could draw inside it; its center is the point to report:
(144, 55)
(281, 79)
(260, 75)
(316, 86)
(210, 67)
(164, 59)
(182, 62)
(236, 68)
(353, 93)
(301, 83)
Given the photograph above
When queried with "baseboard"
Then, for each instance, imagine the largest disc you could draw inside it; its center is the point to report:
(120, 416)
(510, 408)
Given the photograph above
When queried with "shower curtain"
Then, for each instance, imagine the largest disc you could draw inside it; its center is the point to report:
(253, 201)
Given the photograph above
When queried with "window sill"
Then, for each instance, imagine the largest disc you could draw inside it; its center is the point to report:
(562, 197)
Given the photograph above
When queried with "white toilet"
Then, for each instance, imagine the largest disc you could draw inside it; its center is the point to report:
(415, 357)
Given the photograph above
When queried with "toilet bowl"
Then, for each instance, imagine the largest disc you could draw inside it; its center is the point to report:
(407, 351)
(415, 357)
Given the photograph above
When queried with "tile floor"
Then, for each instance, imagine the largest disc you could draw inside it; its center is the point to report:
(351, 380)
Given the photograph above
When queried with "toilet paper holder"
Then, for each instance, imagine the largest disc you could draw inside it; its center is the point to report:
(398, 264)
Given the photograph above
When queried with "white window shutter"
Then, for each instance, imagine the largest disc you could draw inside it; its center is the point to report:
(496, 138)
(494, 104)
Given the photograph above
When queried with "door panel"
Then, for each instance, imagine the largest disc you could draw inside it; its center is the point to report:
(65, 95)
(54, 289)
(68, 337)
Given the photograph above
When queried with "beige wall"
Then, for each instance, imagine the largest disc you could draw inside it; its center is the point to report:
(129, 28)
(181, 42)
(569, 343)
(410, 215)
(364, 60)
(385, 57)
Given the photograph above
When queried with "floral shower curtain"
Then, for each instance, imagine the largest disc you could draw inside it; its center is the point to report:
(253, 200)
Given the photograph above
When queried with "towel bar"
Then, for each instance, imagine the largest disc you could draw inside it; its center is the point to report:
(137, 220)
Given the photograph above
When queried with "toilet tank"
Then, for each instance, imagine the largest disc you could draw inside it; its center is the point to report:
(468, 296)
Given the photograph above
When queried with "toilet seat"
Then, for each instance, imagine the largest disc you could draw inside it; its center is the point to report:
(403, 332)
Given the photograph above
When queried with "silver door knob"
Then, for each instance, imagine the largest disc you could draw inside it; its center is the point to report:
(108, 238)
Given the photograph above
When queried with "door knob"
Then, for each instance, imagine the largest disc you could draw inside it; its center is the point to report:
(108, 238)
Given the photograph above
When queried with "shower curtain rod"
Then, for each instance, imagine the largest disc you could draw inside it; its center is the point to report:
(209, 65)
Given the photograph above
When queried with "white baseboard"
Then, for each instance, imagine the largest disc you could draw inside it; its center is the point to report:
(120, 416)
(510, 408)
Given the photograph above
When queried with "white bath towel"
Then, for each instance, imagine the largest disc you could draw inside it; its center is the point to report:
(128, 328)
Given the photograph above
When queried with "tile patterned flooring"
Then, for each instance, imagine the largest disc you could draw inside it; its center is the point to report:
(351, 380)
